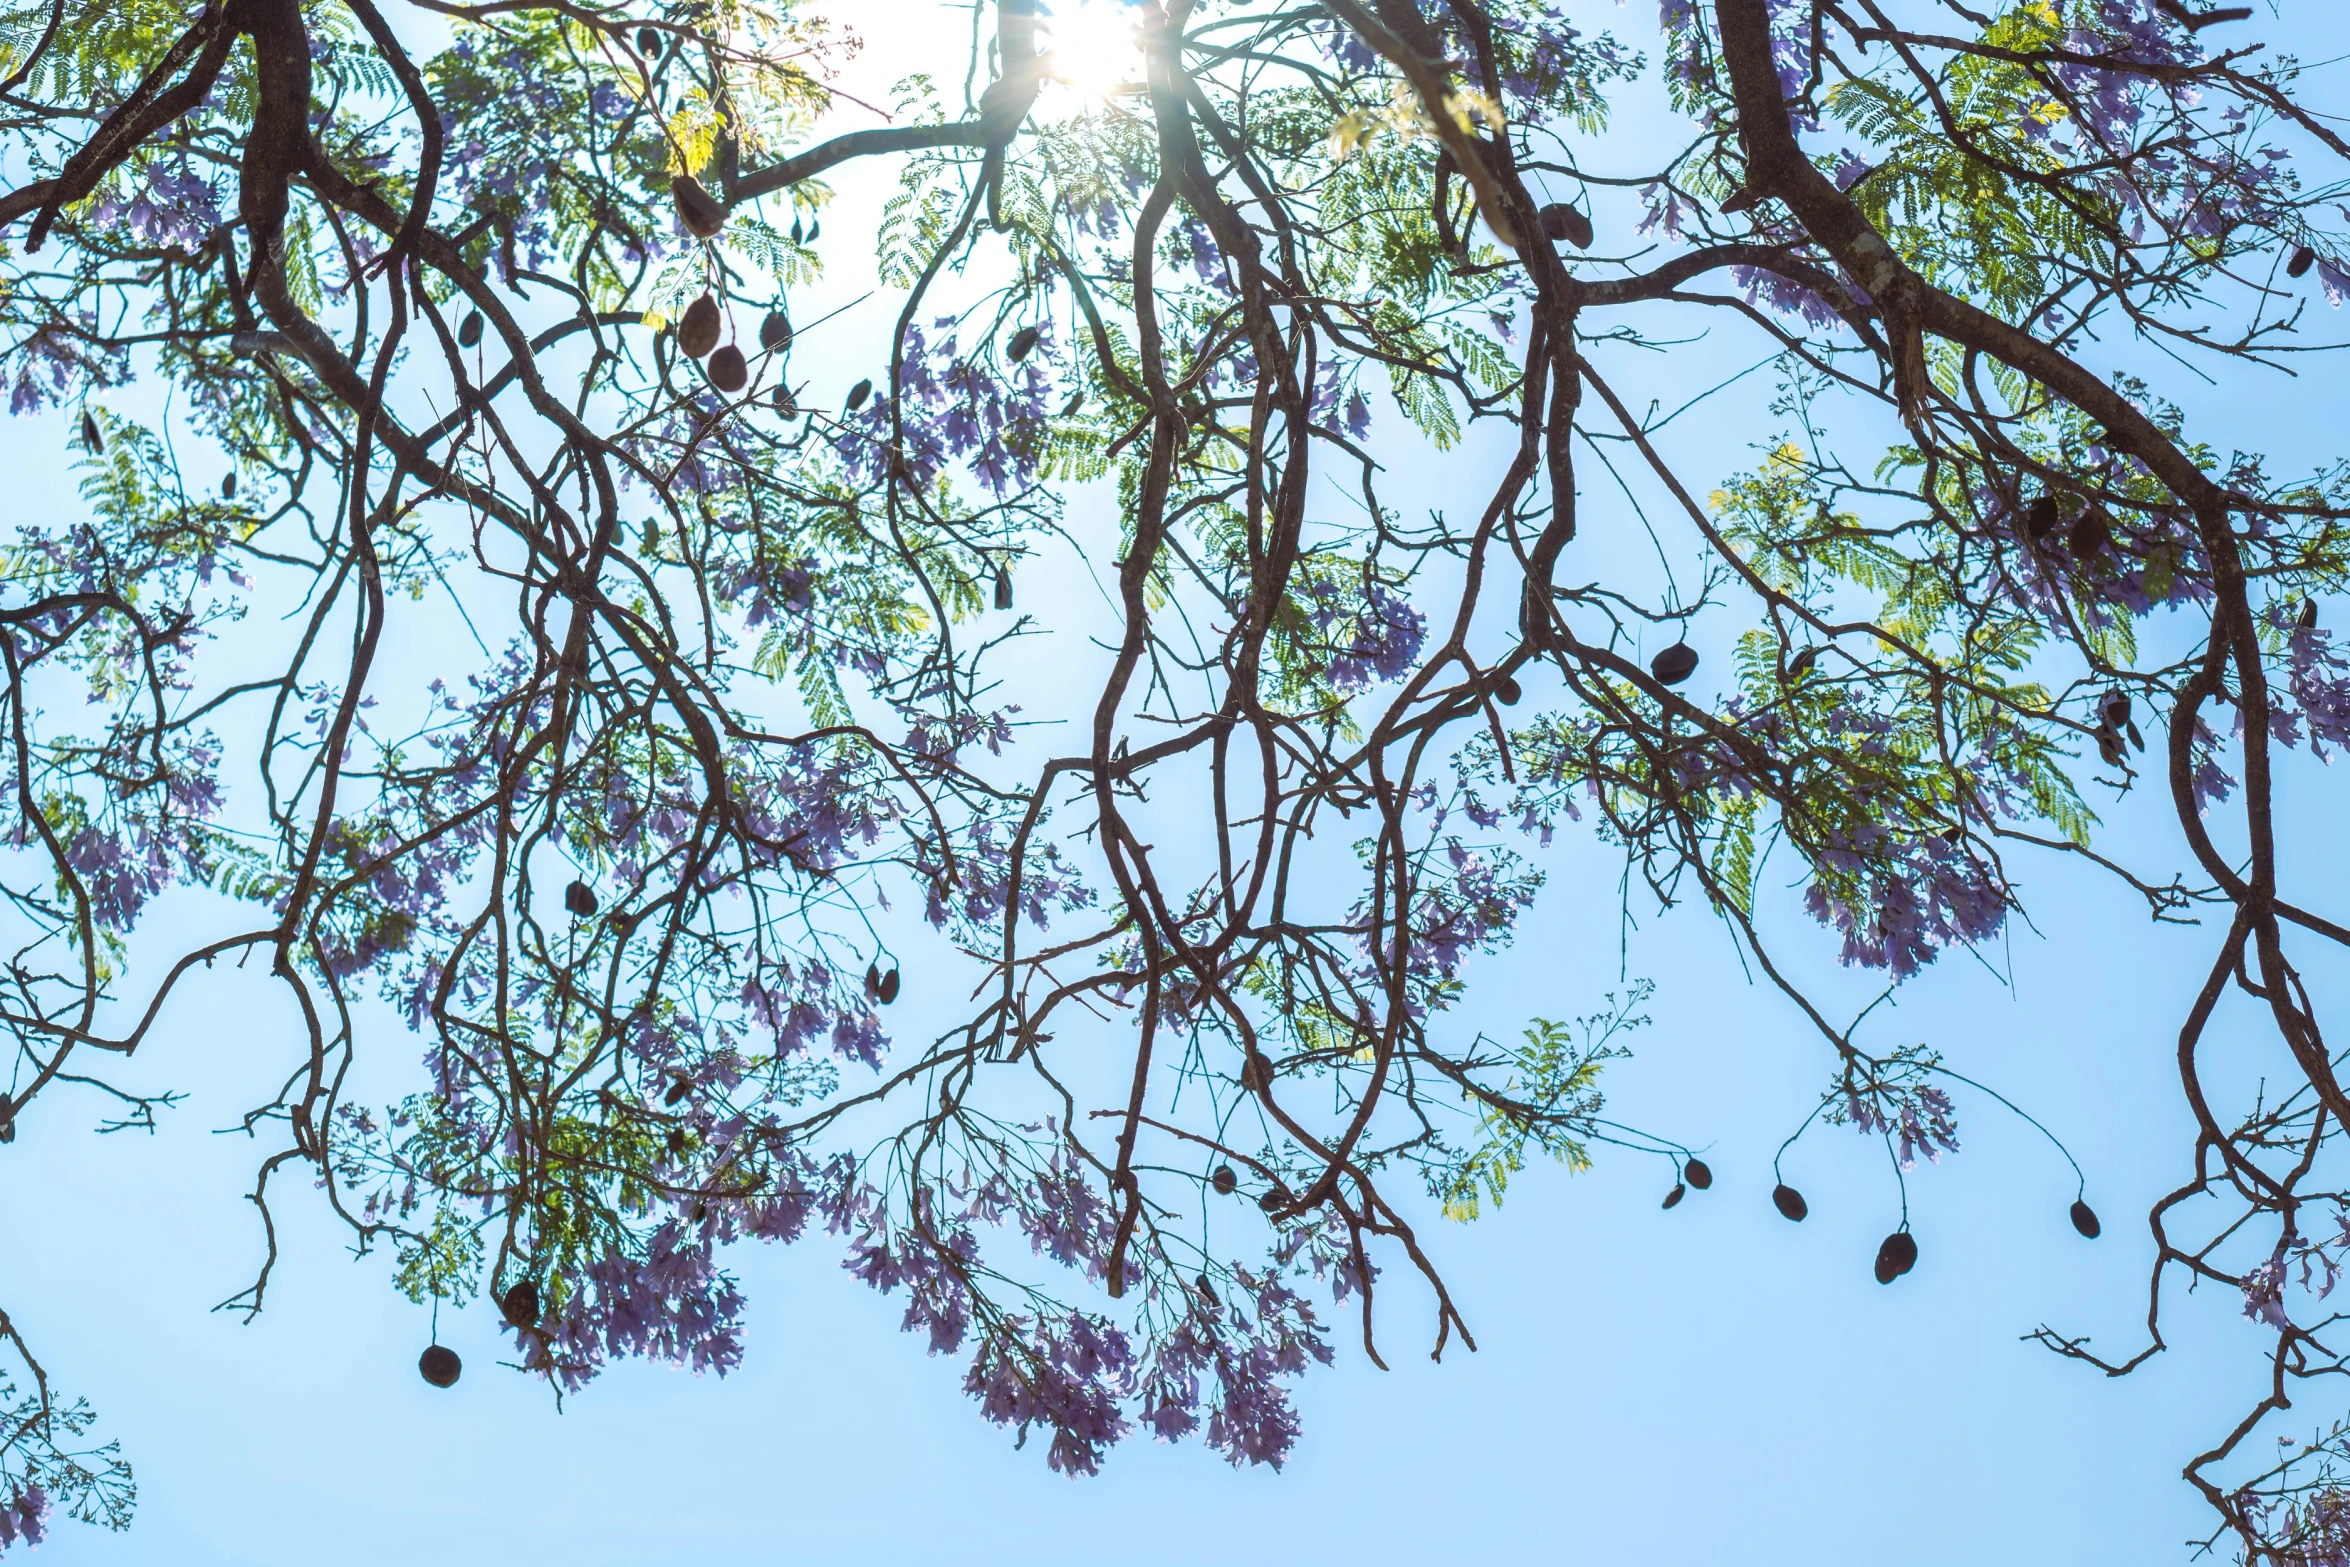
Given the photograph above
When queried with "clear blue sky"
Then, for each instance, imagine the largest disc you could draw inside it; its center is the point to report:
(1702, 1386)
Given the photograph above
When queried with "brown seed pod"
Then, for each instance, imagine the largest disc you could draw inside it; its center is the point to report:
(727, 371)
(1675, 664)
(1673, 1197)
(873, 979)
(785, 404)
(1003, 588)
(1698, 1174)
(2085, 1219)
(440, 1366)
(1205, 1292)
(697, 329)
(1790, 1203)
(521, 1305)
(2308, 614)
(228, 486)
(1273, 1198)
(697, 209)
(91, 437)
(2303, 259)
(1560, 221)
(888, 991)
(1801, 664)
(1075, 402)
(1506, 691)
(469, 329)
(858, 394)
(648, 42)
(579, 899)
(2091, 534)
(775, 332)
(1256, 1075)
(1022, 345)
(2116, 708)
(678, 1090)
(2046, 515)
(1896, 1255)
(1224, 1180)
(676, 1139)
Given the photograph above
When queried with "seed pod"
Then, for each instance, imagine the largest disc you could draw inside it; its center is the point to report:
(469, 329)
(648, 42)
(579, 899)
(676, 1139)
(1003, 588)
(2109, 747)
(784, 404)
(1560, 221)
(1698, 1174)
(2136, 738)
(1224, 1180)
(1740, 201)
(1896, 1256)
(873, 979)
(1790, 1203)
(2085, 1219)
(2116, 709)
(1506, 691)
(1801, 664)
(697, 329)
(697, 209)
(91, 438)
(858, 394)
(795, 228)
(2308, 614)
(1675, 664)
(1075, 402)
(1205, 1293)
(521, 1305)
(1023, 343)
(2303, 259)
(440, 1366)
(2090, 534)
(1256, 1075)
(889, 987)
(727, 371)
(775, 332)
(678, 1090)
(2046, 513)
(1953, 832)
(228, 486)
(1273, 1199)
(1673, 1197)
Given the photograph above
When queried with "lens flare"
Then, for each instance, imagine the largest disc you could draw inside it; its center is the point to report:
(1094, 45)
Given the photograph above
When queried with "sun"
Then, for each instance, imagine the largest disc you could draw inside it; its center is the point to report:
(1094, 45)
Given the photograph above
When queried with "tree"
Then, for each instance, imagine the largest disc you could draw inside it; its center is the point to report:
(493, 342)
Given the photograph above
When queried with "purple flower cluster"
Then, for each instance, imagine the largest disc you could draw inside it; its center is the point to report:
(1373, 634)
(1899, 901)
(26, 1518)
(954, 409)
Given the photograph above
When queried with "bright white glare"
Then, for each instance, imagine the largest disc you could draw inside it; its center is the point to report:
(1094, 46)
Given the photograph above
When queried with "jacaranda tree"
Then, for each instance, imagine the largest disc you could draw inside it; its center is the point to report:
(497, 648)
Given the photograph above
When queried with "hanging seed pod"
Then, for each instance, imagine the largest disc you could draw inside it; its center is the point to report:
(580, 899)
(697, 209)
(440, 1366)
(2109, 747)
(889, 987)
(1673, 1197)
(2091, 534)
(2308, 614)
(7, 1123)
(775, 332)
(1507, 691)
(697, 329)
(676, 1139)
(2136, 738)
(1003, 588)
(1896, 1256)
(785, 404)
(228, 486)
(1675, 664)
(727, 371)
(2085, 1219)
(1273, 1199)
(1790, 1203)
(1022, 345)
(1698, 1174)
(648, 42)
(873, 979)
(1205, 1293)
(1075, 402)
(2303, 259)
(1560, 221)
(2116, 709)
(469, 329)
(1256, 1075)
(858, 394)
(521, 1305)
(815, 229)
(90, 435)
(678, 1089)
(1224, 1180)
(1801, 664)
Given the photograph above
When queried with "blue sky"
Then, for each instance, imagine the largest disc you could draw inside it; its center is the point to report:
(1699, 1386)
